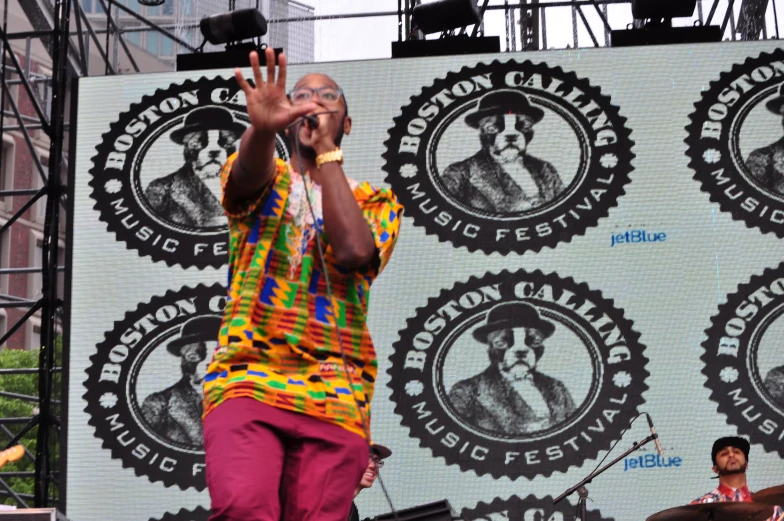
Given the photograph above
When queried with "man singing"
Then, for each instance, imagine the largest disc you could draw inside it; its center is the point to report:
(730, 457)
(285, 424)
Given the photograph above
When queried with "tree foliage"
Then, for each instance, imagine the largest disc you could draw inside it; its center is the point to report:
(26, 384)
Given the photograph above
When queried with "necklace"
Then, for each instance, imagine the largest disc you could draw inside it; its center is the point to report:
(303, 229)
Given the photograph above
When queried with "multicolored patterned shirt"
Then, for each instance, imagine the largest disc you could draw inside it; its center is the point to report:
(740, 495)
(278, 343)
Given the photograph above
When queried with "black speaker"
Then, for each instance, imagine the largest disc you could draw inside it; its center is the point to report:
(665, 36)
(237, 56)
(436, 511)
(451, 45)
(443, 15)
(656, 9)
(233, 26)
(32, 514)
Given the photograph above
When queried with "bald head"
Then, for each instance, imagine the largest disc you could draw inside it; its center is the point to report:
(322, 79)
(317, 80)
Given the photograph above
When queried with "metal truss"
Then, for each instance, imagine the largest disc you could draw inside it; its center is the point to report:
(526, 20)
(48, 117)
(71, 40)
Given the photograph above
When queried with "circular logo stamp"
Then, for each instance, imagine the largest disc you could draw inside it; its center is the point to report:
(529, 509)
(736, 142)
(156, 176)
(198, 514)
(744, 362)
(508, 157)
(518, 374)
(144, 384)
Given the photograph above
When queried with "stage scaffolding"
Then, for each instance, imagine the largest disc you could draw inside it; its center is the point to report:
(78, 43)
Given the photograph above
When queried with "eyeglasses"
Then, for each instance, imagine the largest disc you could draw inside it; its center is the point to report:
(377, 461)
(305, 94)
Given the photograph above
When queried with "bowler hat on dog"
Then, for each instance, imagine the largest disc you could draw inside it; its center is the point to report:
(198, 329)
(510, 315)
(504, 102)
(207, 118)
(776, 105)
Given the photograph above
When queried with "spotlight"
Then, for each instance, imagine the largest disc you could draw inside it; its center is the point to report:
(658, 29)
(234, 26)
(445, 15)
(658, 9)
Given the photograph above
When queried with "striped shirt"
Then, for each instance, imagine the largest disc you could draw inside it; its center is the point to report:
(278, 343)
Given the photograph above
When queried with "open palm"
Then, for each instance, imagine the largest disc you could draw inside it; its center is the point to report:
(269, 109)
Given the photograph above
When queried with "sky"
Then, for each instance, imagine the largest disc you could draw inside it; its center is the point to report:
(370, 38)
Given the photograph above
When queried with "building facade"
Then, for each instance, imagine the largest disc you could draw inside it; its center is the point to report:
(21, 243)
(181, 18)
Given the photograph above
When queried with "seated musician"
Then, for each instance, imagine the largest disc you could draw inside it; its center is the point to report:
(730, 457)
(378, 453)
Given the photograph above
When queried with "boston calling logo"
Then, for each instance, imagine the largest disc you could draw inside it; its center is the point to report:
(508, 157)
(144, 384)
(530, 508)
(198, 514)
(743, 359)
(518, 374)
(156, 176)
(736, 142)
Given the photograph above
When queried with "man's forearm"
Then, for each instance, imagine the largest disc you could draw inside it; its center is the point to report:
(346, 228)
(254, 167)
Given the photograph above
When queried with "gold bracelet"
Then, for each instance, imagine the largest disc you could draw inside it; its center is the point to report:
(328, 157)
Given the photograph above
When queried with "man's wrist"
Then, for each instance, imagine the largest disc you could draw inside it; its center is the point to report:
(259, 135)
(331, 156)
(324, 147)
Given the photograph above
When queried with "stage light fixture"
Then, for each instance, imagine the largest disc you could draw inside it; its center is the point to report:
(233, 26)
(445, 15)
(236, 29)
(658, 29)
(662, 9)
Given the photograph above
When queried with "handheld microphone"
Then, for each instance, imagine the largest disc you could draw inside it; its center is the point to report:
(656, 441)
(311, 121)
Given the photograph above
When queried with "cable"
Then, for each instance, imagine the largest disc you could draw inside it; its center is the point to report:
(296, 128)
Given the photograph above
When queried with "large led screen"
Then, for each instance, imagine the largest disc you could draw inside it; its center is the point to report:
(628, 201)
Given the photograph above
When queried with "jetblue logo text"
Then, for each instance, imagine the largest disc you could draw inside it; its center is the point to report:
(637, 237)
(651, 461)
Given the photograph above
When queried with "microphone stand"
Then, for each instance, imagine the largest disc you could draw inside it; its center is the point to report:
(580, 487)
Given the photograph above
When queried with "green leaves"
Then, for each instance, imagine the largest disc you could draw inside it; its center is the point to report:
(26, 384)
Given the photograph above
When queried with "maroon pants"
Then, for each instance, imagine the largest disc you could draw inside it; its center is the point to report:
(267, 464)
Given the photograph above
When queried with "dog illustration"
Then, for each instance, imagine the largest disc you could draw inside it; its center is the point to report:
(502, 177)
(175, 412)
(766, 164)
(190, 196)
(511, 396)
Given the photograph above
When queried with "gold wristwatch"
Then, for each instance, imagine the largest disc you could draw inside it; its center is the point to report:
(328, 157)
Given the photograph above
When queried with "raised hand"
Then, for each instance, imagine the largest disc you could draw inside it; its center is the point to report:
(269, 108)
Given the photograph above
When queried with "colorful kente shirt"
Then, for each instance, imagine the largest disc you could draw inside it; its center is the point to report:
(741, 495)
(278, 343)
